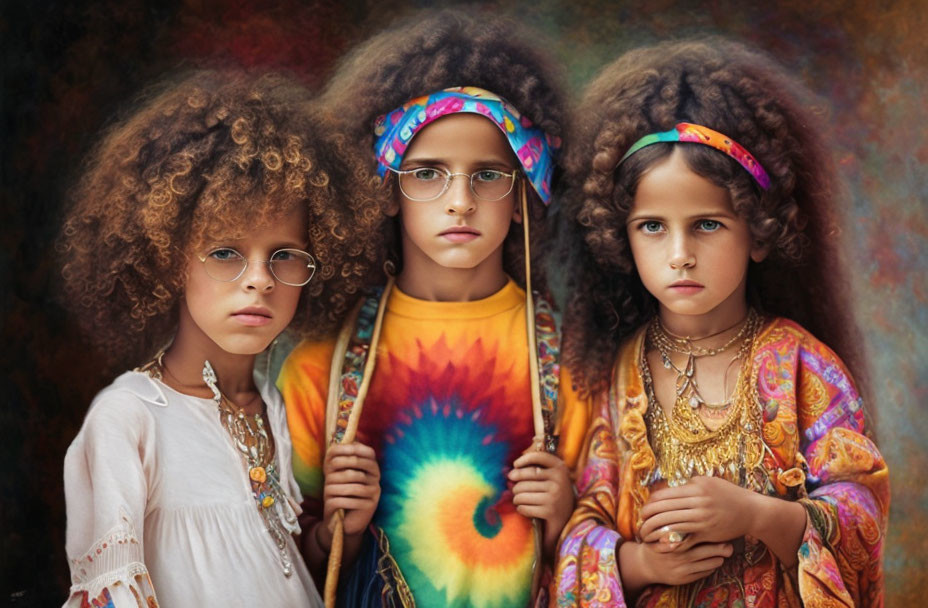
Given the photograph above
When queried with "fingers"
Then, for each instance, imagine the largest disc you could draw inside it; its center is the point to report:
(532, 492)
(350, 475)
(696, 486)
(653, 506)
(702, 568)
(350, 449)
(685, 521)
(352, 456)
(541, 459)
(534, 511)
(347, 504)
(704, 551)
(539, 466)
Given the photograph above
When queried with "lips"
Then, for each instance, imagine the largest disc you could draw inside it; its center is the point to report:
(253, 316)
(460, 234)
(686, 287)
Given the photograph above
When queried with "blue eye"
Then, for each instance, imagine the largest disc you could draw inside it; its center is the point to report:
(651, 227)
(708, 225)
(426, 174)
(224, 254)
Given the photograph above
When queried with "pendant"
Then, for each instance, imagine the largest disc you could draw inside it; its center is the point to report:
(694, 402)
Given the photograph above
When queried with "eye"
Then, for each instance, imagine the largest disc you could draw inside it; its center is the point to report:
(282, 256)
(488, 175)
(708, 225)
(427, 174)
(651, 227)
(225, 254)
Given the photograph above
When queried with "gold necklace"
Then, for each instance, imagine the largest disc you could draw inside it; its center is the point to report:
(684, 446)
(687, 386)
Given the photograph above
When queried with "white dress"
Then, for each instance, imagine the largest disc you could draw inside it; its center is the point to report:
(160, 509)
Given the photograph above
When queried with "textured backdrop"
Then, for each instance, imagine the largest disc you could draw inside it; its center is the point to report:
(67, 69)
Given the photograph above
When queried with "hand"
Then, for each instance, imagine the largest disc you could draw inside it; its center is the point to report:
(705, 509)
(543, 490)
(352, 483)
(643, 564)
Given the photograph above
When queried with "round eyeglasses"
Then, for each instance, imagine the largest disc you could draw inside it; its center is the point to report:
(289, 266)
(429, 183)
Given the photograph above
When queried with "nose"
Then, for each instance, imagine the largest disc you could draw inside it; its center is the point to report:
(258, 276)
(681, 254)
(459, 200)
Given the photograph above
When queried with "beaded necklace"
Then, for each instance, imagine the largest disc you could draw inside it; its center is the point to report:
(250, 437)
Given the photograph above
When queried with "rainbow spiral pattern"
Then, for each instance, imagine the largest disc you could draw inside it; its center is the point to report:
(447, 428)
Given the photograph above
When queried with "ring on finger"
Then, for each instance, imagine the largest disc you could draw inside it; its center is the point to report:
(671, 536)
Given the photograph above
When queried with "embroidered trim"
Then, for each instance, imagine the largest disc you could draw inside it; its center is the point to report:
(628, 403)
(116, 557)
(548, 343)
(395, 587)
(355, 360)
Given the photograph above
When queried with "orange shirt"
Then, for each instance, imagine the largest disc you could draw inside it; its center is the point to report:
(448, 410)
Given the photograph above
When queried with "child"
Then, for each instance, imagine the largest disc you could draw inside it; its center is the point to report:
(453, 455)
(200, 222)
(727, 462)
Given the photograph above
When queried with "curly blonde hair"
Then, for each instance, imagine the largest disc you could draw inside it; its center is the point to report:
(745, 95)
(437, 50)
(211, 150)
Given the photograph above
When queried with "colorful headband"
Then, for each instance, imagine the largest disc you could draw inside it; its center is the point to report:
(697, 134)
(533, 147)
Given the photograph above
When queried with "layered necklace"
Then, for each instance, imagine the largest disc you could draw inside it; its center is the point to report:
(683, 444)
(250, 437)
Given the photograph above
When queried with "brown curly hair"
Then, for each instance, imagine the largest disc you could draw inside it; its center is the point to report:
(748, 97)
(435, 50)
(206, 151)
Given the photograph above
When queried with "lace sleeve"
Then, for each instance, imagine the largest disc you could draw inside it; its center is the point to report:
(112, 573)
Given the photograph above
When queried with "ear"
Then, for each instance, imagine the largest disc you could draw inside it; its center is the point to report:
(759, 252)
(517, 213)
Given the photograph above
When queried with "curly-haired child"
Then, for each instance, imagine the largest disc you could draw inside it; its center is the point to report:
(728, 462)
(454, 454)
(205, 221)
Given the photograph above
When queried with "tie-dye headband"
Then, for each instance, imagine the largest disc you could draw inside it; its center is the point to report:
(698, 134)
(533, 147)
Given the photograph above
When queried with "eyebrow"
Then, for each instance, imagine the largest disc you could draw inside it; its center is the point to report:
(638, 217)
(484, 162)
(692, 216)
(236, 243)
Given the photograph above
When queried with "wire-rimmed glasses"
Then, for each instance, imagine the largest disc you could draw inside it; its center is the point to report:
(293, 267)
(428, 183)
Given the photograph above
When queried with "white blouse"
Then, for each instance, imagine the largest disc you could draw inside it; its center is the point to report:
(160, 508)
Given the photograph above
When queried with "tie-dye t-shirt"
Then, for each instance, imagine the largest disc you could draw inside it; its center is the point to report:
(448, 411)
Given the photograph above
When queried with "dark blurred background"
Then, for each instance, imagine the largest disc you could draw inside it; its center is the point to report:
(68, 67)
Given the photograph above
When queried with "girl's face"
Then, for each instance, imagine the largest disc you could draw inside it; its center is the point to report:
(457, 230)
(243, 316)
(690, 247)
